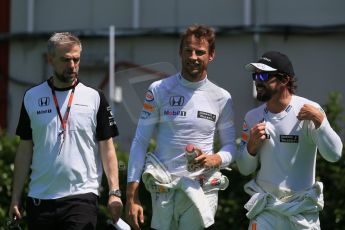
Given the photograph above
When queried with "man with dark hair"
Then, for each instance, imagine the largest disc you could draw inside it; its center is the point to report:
(282, 138)
(185, 108)
(66, 131)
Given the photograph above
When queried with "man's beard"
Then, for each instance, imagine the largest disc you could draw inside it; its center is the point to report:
(65, 79)
(266, 94)
(194, 72)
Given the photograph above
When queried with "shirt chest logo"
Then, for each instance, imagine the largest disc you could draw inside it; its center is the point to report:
(43, 111)
(179, 113)
(176, 100)
(207, 116)
(43, 101)
(289, 138)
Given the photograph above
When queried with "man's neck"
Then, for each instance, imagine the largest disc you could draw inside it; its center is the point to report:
(61, 85)
(279, 102)
(193, 78)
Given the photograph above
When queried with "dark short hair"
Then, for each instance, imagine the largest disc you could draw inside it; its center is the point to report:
(200, 32)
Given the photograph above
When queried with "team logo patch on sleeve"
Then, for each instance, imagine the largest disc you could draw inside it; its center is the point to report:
(110, 116)
(144, 114)
(149, 96)
(244, 137)
(245, 126)
(148, 107)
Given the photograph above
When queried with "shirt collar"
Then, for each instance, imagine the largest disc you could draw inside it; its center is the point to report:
(189, 84)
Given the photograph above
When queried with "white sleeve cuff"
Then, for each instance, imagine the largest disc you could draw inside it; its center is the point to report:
(226, 158)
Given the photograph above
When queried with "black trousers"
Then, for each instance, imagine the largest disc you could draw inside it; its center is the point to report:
(77, 212)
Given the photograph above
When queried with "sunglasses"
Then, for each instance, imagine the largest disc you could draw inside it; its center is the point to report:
(262, 76)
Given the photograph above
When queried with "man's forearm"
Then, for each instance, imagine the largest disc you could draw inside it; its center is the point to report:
(110, 164)
(112, 173)
(21, 168)
(132, 192)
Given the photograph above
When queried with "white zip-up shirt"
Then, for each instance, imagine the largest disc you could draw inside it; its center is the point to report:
(288, 158)
(184, 113)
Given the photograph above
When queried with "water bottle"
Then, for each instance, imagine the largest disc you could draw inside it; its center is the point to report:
(191, 154)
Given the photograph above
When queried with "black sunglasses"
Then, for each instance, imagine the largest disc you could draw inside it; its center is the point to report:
(265, 76)
(262, 76)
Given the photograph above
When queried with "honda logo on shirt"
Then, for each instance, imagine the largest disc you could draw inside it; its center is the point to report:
(43, 101)
(176, 100)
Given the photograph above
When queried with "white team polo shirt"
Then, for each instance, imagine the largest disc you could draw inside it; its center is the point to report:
(73, 166)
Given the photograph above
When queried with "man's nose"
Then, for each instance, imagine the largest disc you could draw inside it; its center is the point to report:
(72, 63)
(193, 55)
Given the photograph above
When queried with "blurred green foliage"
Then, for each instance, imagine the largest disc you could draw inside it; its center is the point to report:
(230, 214)
(332, 174)
(8, 146)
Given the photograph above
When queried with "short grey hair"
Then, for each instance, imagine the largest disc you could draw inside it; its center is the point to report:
(60, 39)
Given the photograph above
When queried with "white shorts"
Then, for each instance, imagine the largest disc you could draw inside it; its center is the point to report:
(185, 213)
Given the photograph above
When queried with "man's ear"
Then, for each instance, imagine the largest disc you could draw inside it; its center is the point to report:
(285, 79)
(212, 55)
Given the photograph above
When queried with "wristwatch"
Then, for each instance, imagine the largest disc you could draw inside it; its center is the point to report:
(115, 192)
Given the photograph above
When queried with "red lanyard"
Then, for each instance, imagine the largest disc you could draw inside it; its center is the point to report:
(65, 118)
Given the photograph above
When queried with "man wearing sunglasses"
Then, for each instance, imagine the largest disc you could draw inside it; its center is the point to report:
(283, 136)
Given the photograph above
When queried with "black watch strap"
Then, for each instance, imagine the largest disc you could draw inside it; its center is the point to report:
(115, 192)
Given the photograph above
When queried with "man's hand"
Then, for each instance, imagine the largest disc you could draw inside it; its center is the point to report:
(134, 213)
(309, 112)
(115, 207)
(14, 211)
(206, 161)
(257, 136)
(21, 170)
(134, 210)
